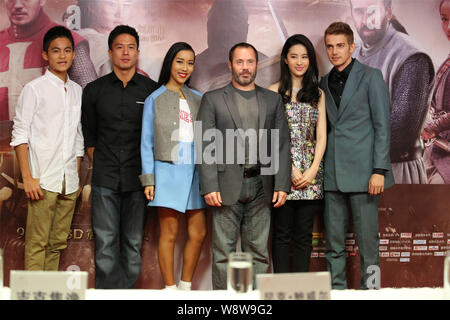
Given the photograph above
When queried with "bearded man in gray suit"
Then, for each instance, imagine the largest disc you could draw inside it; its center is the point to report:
(250, 165)
(357, 164)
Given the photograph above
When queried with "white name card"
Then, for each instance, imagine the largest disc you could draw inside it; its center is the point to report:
(48, 285)
(294, 286)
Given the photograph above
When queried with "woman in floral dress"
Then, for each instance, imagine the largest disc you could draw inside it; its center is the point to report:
(306, 114)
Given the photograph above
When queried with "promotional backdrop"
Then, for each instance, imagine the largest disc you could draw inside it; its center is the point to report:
(414, 214)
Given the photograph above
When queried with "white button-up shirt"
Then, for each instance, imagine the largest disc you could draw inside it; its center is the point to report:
(48, 119)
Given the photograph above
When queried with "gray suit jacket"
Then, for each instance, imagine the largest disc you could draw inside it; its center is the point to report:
(219, 113)
(358, 132)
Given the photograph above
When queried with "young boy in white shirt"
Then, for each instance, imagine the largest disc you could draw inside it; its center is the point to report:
(48, 142)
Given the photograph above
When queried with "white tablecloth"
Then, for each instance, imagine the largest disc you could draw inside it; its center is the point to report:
(140, 294)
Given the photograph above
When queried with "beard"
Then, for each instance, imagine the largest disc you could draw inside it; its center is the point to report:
(375, 35)
(240, 80)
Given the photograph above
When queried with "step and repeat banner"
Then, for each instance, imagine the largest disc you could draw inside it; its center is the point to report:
(408, 40)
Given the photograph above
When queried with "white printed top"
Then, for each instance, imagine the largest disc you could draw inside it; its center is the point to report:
(186, 132)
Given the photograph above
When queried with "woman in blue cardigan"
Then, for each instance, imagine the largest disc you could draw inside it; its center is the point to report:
(168, 165)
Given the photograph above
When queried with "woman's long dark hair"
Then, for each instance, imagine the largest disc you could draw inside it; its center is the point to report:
(164, 76)
(310, 83)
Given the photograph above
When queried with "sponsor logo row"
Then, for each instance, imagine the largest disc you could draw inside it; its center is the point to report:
(408, 254)
(404, 256)
(415, 241)
(415, 248)
(404, 235)
(409, 235)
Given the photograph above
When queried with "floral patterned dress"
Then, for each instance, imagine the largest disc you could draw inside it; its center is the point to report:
(302, 120)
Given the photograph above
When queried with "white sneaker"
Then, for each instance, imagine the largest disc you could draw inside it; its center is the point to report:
(186, 286)
(172, 287)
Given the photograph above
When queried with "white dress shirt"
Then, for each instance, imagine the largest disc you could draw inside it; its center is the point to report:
(48, 119)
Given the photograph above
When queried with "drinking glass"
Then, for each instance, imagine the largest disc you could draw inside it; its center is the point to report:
(240, 272)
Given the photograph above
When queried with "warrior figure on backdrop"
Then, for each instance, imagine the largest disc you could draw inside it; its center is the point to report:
(408, 72)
